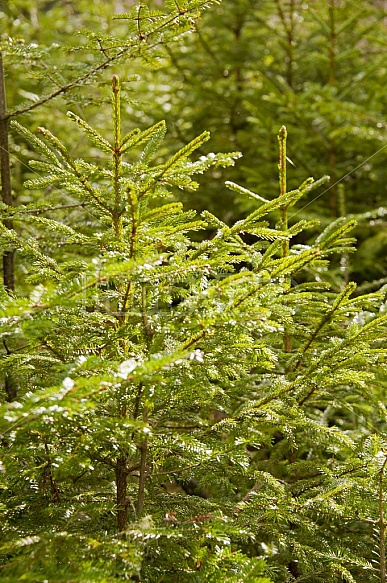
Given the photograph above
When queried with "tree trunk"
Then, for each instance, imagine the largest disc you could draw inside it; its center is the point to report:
(10, 384)
(6, 187)
(122, 498)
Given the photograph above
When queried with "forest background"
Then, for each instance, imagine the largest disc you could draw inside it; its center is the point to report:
(266, 482)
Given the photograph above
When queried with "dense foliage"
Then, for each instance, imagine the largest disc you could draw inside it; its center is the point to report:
(177, 406)
(320, 68)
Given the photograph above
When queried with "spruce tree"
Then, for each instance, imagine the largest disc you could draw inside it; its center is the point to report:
(177, 406)
(184, 413)
(46, 69)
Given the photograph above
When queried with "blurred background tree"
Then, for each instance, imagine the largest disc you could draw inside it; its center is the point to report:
(318, 67)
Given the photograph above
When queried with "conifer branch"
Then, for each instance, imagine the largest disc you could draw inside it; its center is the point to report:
(194, 340)
(133, 234)
(117, 153)
(247, 497)
(309, 394)
(103, 460)
(214, 455)
(47, 345)
(66, 88)
(284, 210)
(282, 175)
(130, 50)
(50, 208)
(83, 181)
(71, 294)
(325, 320)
